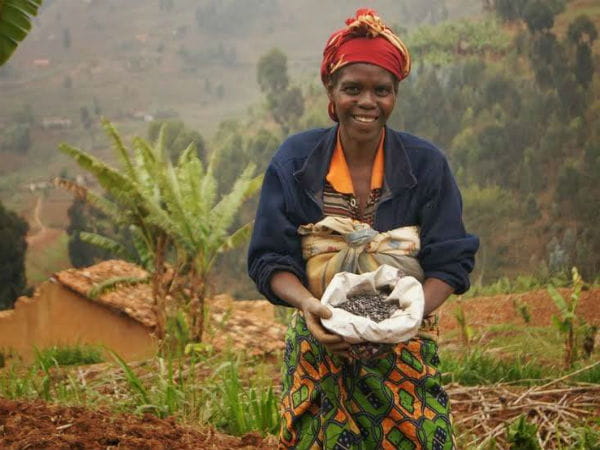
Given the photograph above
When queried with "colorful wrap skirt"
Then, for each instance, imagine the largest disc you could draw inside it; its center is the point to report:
(394, 401)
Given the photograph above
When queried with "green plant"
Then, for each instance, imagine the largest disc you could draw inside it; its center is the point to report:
(585, 438)
(69, 355)
(466, 331)
(522, 435)
(522, 309)
(245, 408)
(565, 322)
(173, 214)
(15, 24)
(479, 368)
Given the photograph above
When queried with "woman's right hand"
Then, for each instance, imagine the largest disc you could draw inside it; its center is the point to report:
(288, 287)
(314, 311)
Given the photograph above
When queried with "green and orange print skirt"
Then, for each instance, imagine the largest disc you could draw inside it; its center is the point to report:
(394, 401)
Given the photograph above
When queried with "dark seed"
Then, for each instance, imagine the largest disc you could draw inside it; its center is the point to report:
(375, 308)
(372, 306)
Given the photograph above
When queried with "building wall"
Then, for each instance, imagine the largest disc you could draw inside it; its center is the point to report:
(59, 316)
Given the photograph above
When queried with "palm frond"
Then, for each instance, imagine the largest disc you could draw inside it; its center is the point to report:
(143, 247)
(113, 283)
(106, 243)
(160, 218)
(118, 185)
(146, 165)
(15, 24)
(122, 151)
(189, 172)
(101, 203)
(171, 201)
(222, 215)
(239, 237)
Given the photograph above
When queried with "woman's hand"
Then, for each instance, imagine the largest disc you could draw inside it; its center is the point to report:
(314, 311)
(289, 288)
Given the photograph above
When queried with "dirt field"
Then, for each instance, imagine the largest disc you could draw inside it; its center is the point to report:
(36, 425)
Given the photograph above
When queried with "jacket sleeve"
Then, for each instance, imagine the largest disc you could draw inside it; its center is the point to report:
(275, 244)
(447, 251)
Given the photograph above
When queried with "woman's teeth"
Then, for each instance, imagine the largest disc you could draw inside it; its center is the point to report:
(365, 119)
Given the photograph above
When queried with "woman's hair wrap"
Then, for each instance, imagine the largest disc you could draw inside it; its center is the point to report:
(365, 39)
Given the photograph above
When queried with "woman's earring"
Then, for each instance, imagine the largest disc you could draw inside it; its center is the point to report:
(331, 112)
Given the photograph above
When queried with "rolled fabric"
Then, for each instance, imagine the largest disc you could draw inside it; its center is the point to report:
(341, 244)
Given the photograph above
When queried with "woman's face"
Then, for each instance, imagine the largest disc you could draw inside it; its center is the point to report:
(364, 96)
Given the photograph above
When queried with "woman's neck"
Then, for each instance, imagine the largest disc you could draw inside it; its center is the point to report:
(359, 152)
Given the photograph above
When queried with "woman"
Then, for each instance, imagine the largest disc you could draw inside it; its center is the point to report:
(363, 170)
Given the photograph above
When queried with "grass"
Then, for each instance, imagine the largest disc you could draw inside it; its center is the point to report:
(479, 368)
(68, 355)
(40, 264)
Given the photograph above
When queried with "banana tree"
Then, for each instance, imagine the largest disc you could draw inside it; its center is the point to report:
(177, 223)
(15, 24)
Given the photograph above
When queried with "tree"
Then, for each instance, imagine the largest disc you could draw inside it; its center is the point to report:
(582, 29)
(16, 139)
(66, 38)
(538, 16)
(483, 207)
(177, 224)
(271, 72)
(510, 10)
(177, 137)
(83, 218)
(287, 107)
(13, 230)
(286, 104)
(15, 24)
(584, 65)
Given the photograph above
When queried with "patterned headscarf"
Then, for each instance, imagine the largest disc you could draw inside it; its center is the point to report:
(365, 39)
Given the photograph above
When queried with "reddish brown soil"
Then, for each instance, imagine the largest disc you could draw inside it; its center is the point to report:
(36, 425)
(484, 311)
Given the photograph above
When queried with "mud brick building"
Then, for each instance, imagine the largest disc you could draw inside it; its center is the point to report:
(61, 313)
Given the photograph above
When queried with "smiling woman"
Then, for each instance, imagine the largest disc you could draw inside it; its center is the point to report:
(368, 177)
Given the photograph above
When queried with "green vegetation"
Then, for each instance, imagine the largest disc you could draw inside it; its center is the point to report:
(41, 263)
(522, 435)
(68, 356)
(480, 368)
(173, 215)
(15, 23)
(13, 245)
(565, 322)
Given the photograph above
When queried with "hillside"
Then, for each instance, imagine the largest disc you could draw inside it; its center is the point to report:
(474, 92)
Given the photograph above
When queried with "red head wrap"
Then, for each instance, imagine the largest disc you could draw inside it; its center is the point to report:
(365, 39)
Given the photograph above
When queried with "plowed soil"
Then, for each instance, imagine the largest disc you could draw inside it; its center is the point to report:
(483, 311)
(37, 425)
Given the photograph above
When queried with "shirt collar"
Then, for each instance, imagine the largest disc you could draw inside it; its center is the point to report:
(339, 174)
(314, 170)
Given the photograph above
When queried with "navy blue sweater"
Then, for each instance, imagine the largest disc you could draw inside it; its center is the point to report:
(419, 189)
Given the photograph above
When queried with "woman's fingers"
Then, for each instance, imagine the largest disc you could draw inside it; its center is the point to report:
(314, 325)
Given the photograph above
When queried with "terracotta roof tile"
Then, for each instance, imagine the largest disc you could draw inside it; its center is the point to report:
(135, 300)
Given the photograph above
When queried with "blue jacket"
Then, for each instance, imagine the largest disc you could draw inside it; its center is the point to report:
(419, 189)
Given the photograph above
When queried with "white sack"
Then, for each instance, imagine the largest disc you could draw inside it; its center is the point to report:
(401, 326)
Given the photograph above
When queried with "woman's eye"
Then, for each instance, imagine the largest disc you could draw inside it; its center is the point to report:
(351, 90)
(382, 91)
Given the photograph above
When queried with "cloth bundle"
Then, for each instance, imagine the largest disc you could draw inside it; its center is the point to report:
(341, 244)
(345, 257)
